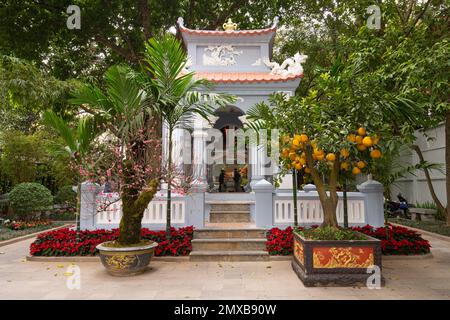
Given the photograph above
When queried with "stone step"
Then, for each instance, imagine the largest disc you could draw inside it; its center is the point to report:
(229, 233)
(231, 216)
(229, 256)
(226, 206)
(233, 244)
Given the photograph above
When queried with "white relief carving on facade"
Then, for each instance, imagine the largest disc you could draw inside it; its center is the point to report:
(290, 66)
(221, 55)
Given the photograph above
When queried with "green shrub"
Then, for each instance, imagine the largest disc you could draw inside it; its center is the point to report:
(66, 197)
(27, 199)
(329, 233)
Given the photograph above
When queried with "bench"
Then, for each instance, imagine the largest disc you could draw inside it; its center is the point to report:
(421, 214)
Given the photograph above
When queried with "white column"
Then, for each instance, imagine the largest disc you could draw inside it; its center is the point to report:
(255, 160)
(178, 149)
(199, 153)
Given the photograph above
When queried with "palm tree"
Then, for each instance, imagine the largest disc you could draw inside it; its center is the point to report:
(121, 113)
(179, 96)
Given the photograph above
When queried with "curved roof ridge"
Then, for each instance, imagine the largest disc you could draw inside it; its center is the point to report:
(270, 29)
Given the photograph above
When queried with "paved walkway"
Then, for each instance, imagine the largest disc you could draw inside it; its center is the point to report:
(405, 279)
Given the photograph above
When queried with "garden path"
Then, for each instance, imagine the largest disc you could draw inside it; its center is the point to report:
(405, 279)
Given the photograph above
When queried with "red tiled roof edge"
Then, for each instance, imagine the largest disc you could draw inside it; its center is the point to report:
(254, 79)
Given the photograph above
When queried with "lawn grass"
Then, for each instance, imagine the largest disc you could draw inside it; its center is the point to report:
(431, 226)
(6, 234)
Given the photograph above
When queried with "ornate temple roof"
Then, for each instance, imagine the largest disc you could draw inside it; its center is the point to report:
(236, 56)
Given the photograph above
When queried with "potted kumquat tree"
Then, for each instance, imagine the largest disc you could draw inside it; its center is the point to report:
(324, 146)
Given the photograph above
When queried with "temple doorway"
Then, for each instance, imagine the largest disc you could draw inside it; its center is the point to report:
(228, 174)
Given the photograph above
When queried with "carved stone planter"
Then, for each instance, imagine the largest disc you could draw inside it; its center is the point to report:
(338, 263)
(126, 261)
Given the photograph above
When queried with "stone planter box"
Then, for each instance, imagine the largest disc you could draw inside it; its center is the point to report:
(335, 262)
(420, 214)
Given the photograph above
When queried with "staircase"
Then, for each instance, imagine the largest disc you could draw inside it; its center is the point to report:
(229, 236)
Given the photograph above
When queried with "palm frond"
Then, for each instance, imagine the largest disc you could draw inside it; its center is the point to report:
(67, 134)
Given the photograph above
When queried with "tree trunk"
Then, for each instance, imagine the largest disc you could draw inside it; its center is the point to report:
(428, 176)
(294, 194)
(329, 213)
(344, 193)
(169, 187)
(130, 224)
(329, 203)
(133, 207)
(447, 163)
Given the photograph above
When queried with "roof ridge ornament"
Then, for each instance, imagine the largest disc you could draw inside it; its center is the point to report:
(290, 66)
(229, 25)
(180, 22)
(276, 19)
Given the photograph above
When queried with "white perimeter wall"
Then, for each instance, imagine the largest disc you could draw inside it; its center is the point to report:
(414, 188)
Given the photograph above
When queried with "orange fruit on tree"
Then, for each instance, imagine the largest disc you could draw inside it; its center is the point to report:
(307, 170)
(296, 142)
(367, 141)
(361, 164)
(302, 161)
(285, 153)
(359, 139)
(356, 170)
(345, 166)
(375, 153)
(304, 138)
(292, 155)
(298, 166)
(331, 157)
(320, 155)
(361, 147)
(362, 131)
(345, 153)
(351, 137)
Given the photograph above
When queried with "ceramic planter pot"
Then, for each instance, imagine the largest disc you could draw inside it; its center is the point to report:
(336, 262)
(126, 261)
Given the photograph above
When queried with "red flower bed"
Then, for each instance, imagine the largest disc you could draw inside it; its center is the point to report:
(397, 240)
(66, 242)
(394, 240)
(280, 242)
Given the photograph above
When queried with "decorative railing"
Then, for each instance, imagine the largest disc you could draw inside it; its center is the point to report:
(109, 210)
(309, 211)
